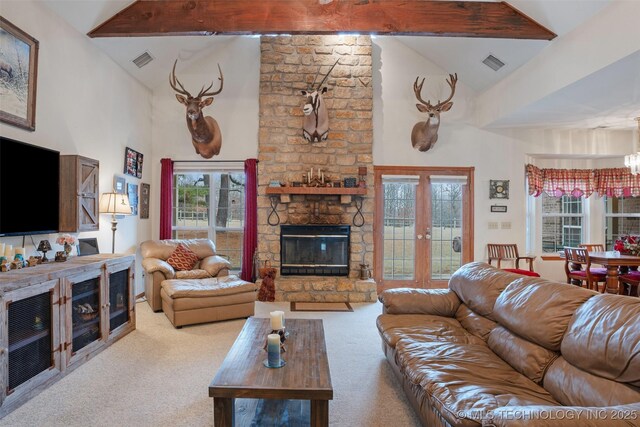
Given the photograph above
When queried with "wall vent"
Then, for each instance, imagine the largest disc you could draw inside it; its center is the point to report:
(492, 62)
(143, 59)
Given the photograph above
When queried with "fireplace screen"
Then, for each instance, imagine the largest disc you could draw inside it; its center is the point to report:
(318, 250)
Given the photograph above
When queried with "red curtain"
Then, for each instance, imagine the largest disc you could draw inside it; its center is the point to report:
(166, 199)
(250, 219)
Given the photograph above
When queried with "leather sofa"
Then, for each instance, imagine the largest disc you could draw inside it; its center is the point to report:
(498, 348)
(154, 262)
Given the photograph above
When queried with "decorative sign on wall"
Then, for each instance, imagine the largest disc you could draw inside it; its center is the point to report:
(133, 162)
(499, 208)
(119, 184)
(145, 190)
(132, 191)
(499, 189)
(18, 73)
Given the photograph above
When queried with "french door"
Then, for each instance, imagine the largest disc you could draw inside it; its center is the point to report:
(423, 225)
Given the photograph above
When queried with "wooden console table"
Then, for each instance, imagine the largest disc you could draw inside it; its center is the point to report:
(56, 316)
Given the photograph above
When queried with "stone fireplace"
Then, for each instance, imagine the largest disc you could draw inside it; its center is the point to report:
(289, 65)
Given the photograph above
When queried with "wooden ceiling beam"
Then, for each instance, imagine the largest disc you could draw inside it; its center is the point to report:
(388, 17)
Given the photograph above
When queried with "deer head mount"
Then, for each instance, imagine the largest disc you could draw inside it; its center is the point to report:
(316, 117)
(205, 132)
(425, 134)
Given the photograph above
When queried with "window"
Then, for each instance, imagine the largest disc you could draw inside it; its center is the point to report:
(562, 220)
(210, 204)
(622, 217)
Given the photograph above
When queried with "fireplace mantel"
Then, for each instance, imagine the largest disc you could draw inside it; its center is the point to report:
(345, 193)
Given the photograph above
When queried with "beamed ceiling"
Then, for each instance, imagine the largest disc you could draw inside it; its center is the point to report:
(388, 17)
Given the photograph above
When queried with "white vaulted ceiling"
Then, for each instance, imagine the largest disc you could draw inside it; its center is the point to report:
(606, 94)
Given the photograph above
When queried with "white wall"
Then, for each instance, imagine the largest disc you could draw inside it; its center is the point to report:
(235, 109)
(499, 154)
(87, 105)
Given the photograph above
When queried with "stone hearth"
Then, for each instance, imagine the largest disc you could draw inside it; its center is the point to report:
(324, 289)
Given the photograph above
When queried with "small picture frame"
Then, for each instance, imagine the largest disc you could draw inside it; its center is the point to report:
(498, 189)
(145, 190)
(133, 162)
(499, 208)
(88, 246)
(119, 184)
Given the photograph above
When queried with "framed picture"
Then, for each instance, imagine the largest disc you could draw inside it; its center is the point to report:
(88, 246)
(145, 190)
(498, 208)
(498, 189)
(18, 76)
(133, 162)
(132, 192)
(119, 184)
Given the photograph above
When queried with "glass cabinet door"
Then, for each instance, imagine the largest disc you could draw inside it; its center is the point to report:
(85, 313)
(118, 299)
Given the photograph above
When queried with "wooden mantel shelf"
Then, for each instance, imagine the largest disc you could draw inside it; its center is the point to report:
(344, 193)
(326, 191)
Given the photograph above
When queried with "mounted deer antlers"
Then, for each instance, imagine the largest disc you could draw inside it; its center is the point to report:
(425, 134)
(205, 132)
(316, 118)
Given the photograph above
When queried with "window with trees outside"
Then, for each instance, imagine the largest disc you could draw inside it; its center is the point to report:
(562, 222)
(622, 217)
(210, 204)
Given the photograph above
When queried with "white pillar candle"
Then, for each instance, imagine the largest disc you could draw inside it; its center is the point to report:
(281, 313)
(19, 251)
(273, 350)
(8, 251)
(276, 320)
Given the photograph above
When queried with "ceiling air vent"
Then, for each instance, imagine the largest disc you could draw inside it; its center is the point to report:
(143, 59)
(492, 62)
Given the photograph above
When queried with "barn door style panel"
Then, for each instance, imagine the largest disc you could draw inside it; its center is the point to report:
(79, 194)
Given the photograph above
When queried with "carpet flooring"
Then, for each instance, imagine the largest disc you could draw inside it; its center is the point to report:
(159, 376)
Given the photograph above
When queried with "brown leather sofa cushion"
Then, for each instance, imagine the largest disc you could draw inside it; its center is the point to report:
(422, 327)
(572, 386)
(618, 356)
(441, 302)
(474, 323)
(524, 356)
(478, 285)
(539, 310)
(466, 381)
(197, 288)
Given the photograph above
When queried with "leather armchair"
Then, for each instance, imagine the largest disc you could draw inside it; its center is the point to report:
(154, 262)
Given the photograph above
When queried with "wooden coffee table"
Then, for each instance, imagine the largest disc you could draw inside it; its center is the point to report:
(305, 376)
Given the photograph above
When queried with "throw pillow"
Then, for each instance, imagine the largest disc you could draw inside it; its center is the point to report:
(183, 258)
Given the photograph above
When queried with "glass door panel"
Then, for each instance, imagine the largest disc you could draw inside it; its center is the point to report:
(399, 229)
(446, 229)
(118, 299)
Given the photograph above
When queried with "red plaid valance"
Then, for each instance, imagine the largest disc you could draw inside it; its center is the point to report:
(613, 182)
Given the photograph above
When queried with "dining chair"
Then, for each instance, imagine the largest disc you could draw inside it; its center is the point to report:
(592, 247)
(630, 283)
(577, 266)
(507, 252)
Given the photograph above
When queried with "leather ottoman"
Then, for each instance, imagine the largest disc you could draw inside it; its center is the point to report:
(187, 302)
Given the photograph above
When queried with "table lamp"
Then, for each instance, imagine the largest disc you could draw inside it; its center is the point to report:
(114, 204)
(43, 247)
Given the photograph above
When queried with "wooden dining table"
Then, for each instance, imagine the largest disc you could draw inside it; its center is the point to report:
(612, 263)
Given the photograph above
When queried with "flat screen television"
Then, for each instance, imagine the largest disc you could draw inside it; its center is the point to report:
(29, 188)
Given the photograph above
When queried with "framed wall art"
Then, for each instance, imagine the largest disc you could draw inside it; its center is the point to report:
(119, 184)
(132, 192)
(145, 190)
(498, 189)
(18, 76)
(499, 208)
(133, 162)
